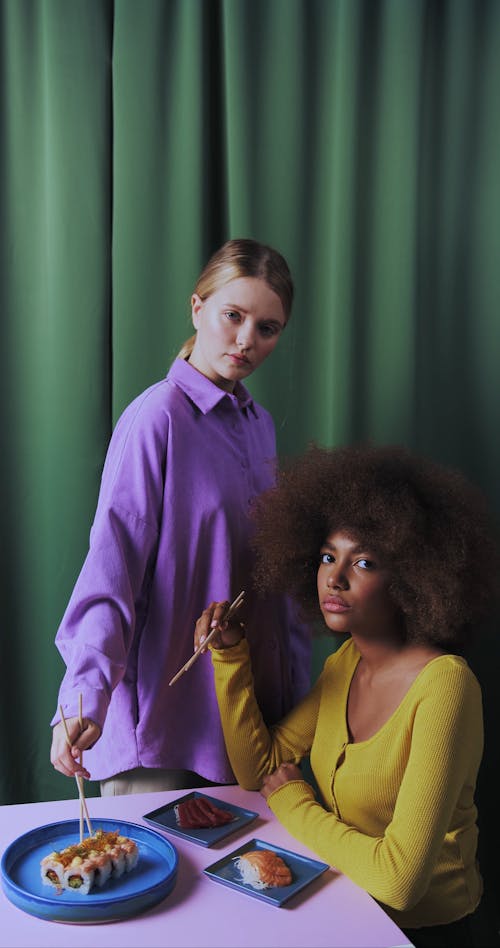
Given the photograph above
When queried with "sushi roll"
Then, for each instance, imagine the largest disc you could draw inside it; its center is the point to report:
(79, 875)
(102, 867)
(52, 870)
(90, 862)
(118, 862)
(130, 851)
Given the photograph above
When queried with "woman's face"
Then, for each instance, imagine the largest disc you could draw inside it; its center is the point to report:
(237, 327)
(353, 589)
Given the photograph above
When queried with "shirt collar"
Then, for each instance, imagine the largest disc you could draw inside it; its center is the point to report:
(204, 393)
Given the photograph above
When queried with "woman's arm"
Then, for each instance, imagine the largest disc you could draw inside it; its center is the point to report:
(253, 749)
(98, 627)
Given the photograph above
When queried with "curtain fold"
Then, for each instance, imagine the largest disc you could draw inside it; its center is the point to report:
(168, 208)
(359, 137)
(55, 359)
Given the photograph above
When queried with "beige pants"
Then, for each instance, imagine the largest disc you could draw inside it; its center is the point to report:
(151, 779)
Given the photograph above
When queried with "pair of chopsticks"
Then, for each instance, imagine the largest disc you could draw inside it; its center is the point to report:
(79, 780)
(227, 615)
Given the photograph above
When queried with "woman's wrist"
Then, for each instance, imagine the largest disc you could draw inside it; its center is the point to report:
(230, 653)
(239, 630)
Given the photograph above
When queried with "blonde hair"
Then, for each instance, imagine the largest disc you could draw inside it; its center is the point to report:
(243, 257)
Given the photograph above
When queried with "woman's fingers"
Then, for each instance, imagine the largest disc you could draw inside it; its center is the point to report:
(283, 774)
(60, 753)
(88, 736)
(226, 635)
(65, 758)
(208, 621)
(231, 633)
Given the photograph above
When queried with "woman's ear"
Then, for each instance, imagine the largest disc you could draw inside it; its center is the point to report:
(196, 306)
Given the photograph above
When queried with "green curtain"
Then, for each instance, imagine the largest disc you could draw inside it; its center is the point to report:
(360, 137)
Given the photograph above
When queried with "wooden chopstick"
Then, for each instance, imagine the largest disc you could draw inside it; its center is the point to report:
(79, 781)
(80, 721)
(227, 615)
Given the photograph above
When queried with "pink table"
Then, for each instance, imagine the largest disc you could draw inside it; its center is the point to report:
(201, 913)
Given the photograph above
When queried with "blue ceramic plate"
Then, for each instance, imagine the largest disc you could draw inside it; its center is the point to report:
(303, 871)
(164, 818)
(147, 884)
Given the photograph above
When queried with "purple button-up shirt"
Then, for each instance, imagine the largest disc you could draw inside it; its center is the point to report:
(170, 535)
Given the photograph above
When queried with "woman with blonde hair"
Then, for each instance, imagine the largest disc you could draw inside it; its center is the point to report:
(172, 532)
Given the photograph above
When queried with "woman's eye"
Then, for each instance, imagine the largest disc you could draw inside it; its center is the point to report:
(230, 314)
(366, 564)
(326, 558)
(268, 330)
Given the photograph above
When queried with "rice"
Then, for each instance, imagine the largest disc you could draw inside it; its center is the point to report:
(79, 876)
(52, 870)
(249, 874)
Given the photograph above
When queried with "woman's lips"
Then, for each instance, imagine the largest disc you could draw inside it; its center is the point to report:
(239, 359)
(335, 604)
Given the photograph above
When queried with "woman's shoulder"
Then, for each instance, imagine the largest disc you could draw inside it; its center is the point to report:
(152, 405)
(451, 671)
(451, 664)
(143, 428)
(346, 654)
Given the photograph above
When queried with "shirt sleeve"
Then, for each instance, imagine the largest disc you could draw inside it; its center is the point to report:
(97, 630)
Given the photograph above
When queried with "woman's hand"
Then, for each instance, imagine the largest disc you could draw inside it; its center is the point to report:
(284, 774)
(64, 758)
(228, 634)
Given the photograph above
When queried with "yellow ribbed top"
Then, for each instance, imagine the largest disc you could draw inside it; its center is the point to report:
(398, 814)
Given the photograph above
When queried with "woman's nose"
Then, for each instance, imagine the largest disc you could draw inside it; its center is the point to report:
(337, 578)
(244, 339)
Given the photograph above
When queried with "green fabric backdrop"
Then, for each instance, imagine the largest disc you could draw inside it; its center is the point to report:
(360, 137)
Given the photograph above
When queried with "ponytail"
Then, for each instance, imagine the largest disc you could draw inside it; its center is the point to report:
(187, 348)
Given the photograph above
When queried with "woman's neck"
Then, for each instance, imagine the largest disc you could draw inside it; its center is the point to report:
(384, 653)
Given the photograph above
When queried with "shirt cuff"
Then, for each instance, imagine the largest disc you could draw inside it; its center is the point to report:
(285, 800)
(94, 706)
(236, 653)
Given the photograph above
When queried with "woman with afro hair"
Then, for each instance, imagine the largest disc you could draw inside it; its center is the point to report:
(397, 554)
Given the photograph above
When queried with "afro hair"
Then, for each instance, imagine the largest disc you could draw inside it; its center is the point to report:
(427, 523)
